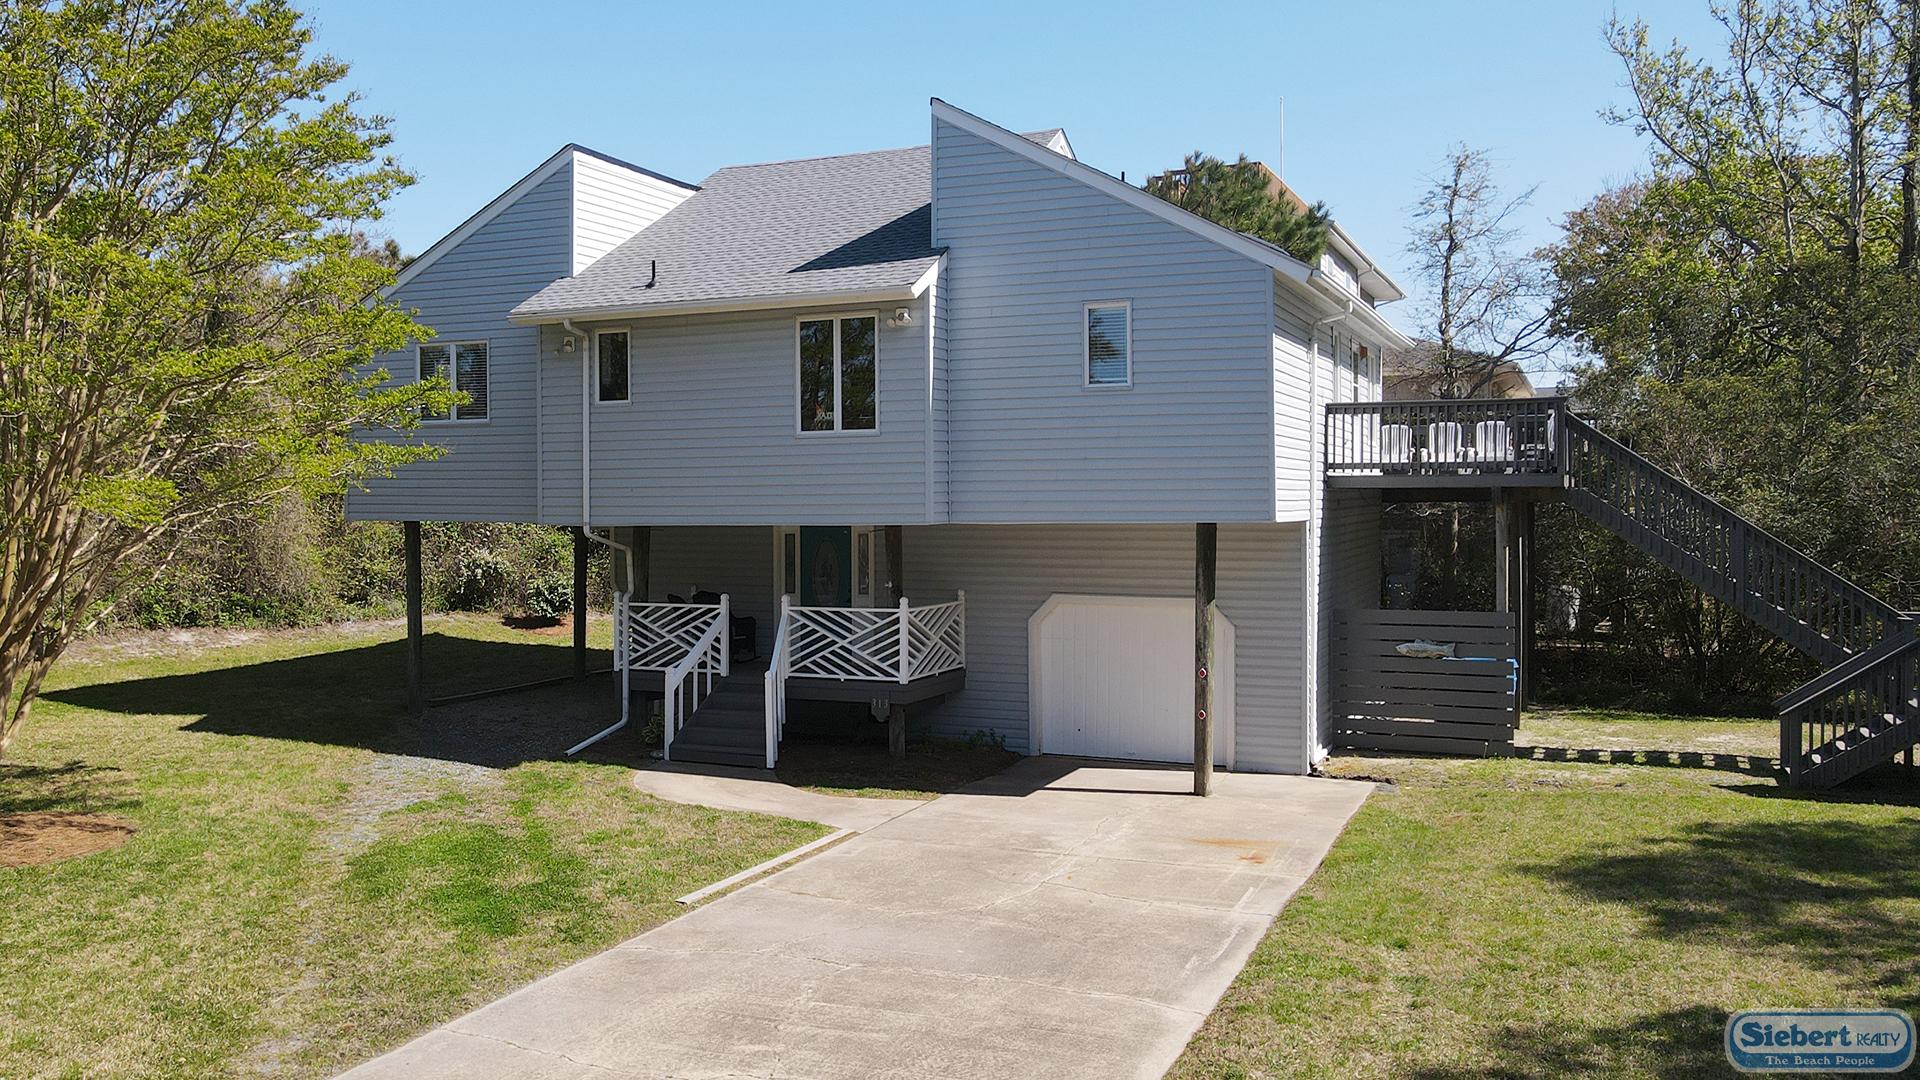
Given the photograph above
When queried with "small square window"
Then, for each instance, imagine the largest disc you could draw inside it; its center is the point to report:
(1109, 343)
(616, 376)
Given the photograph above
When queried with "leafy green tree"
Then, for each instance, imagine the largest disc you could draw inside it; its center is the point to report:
(1239, 196)
(185, 325)
(1752, 319)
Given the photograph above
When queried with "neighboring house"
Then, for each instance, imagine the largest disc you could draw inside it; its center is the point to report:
(1409, 378)
(974, 429)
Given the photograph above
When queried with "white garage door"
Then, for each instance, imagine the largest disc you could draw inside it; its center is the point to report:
(1112, 676)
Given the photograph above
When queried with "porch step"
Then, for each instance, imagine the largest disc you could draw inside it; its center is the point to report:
(729, 727)
(1856, 751)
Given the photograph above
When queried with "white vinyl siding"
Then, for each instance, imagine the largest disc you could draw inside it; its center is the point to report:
(710, 436)
(487, 472)
(1295, 427)
(612, 203)
(1027, 248)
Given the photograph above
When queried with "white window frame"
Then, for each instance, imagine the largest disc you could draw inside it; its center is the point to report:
(597, 399)
(839, 407)
(1086, 345)
(453, 378)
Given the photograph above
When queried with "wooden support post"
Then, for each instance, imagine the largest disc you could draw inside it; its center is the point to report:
(897, 732)
(1206, 542)
(416, 651)
(1502, 552)
(896, 544)
(1523, 593)
(579, 602)
(640, 588)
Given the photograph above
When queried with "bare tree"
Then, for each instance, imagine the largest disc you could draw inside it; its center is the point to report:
(1488, 311)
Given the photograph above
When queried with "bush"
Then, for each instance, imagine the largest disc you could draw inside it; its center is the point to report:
(547, 597)
(300, 562)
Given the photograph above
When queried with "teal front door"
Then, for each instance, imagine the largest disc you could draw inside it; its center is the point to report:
(826, 566)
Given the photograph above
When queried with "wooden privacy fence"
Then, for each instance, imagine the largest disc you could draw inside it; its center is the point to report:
(1384, 699)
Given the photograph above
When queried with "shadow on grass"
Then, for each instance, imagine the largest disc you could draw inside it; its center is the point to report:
(1750, 764)
(1838, 895)
(75, 786)
(1672, 1045)
(357, 697)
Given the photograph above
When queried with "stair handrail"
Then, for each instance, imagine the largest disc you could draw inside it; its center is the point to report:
(1899, 643)
(774, 693)
(708, 657)
(1889, 615)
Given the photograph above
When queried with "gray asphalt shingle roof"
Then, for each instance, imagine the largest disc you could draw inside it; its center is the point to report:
(855, 223)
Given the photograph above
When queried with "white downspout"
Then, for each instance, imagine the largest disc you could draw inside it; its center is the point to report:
(586, 523)
(1310, 688)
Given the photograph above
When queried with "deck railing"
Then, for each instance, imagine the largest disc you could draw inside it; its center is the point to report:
(658, 636)
(1445, 438)
(898, 644)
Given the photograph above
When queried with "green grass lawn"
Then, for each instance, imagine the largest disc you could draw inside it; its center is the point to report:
(1523, 918)
(314, 877)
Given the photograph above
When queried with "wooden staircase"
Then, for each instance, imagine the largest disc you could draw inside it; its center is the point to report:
(728, 727)
(1862, 711)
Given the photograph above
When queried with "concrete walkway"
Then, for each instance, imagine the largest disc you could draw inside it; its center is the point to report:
(1059, 920)
(752, 789)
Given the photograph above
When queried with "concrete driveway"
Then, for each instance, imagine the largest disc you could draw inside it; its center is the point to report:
(1063, 919)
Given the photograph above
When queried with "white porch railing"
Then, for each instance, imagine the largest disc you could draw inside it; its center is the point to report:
(658, 636)
(708, 658)
(876, 644)
(775, 691)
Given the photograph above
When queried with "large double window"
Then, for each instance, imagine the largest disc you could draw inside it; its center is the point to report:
(464, 365)
(839, 368)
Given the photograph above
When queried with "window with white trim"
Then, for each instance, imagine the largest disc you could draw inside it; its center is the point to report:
(616, 375)
(463, 364)
(838, 373)
(1109, 343)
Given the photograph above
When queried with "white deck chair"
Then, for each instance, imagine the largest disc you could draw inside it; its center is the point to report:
(1444, 444)
(1396, 446)
(1493, 442)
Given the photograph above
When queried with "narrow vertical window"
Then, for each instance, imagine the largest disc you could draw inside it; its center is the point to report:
(470, 367)
(615, 375)
(789, 561)
(433, 365)
(817, 376)
(1109, 334)
(856, 374)
(839, 366)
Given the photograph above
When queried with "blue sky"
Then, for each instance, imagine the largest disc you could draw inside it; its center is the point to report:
(483, 90)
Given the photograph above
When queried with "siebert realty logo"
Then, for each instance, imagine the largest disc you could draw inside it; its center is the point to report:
(1791, 1040)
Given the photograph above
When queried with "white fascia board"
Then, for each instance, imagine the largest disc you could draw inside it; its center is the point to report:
(562, 156)
(1370, 274)
(1238, 243)
(724, 304)
(1333, 297)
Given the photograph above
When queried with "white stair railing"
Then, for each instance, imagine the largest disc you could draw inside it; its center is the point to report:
(775, 690)
(707, 660)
